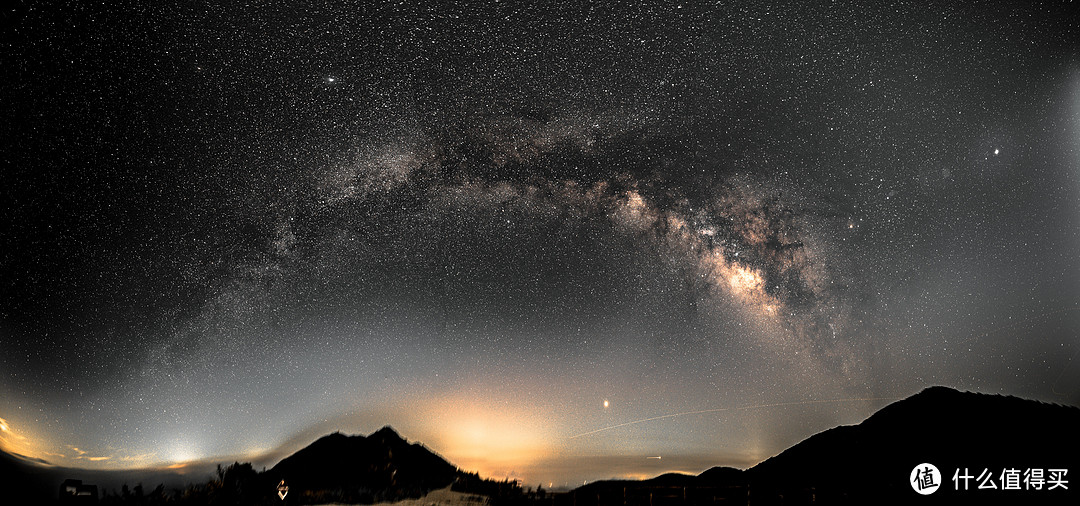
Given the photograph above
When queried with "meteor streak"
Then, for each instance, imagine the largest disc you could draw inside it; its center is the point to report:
(735, 408)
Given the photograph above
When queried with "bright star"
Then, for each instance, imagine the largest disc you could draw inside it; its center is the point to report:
(996, 151)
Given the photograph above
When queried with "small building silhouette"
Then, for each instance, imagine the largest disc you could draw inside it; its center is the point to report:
(74, 492)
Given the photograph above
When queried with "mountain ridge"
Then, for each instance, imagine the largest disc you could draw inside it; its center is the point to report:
(382, 463)
(870, 462)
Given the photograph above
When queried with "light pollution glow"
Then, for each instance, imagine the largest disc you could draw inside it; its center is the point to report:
(493, 437)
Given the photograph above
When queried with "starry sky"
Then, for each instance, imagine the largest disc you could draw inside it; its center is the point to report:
(549, 241)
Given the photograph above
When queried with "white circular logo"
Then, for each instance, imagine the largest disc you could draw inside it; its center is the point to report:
(925, 479)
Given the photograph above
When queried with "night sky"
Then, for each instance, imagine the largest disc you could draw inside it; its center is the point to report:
(547, 241)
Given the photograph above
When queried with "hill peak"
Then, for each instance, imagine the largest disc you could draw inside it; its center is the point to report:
(386, 433)
(382, 462)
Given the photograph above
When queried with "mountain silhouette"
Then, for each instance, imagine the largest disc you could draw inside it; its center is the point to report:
(949, 429)
(382, 464)
(19, 483)
(960, 433)
(871, 463)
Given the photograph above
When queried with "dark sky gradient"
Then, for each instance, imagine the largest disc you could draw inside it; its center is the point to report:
(228, 230)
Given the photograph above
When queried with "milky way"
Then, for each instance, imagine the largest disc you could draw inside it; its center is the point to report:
(549, 242)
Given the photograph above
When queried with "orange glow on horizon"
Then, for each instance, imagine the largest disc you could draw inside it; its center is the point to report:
(493, 441)
(17, 442)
